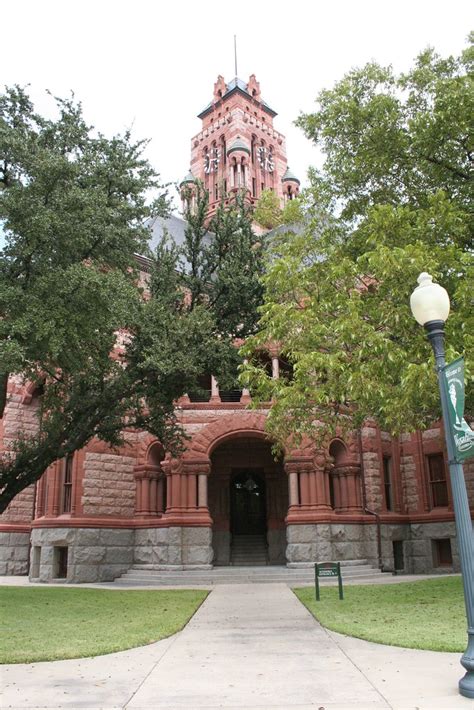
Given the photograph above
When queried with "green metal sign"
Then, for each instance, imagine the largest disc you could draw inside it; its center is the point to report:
(461, 433)
(328, 569)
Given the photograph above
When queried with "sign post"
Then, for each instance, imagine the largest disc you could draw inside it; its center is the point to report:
(328, 569)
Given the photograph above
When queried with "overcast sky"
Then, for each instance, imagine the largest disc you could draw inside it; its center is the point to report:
(152, 65)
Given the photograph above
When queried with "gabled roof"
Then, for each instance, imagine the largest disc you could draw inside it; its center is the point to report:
(239, 86)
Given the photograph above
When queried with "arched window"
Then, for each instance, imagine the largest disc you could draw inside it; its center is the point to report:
(338, 452)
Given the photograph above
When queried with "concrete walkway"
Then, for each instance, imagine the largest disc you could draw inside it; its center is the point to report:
(248, 647)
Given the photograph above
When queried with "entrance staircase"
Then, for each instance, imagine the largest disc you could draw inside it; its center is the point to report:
(355, 571)
(248, 551)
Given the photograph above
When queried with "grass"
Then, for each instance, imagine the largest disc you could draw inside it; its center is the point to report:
(41, 624)
(428, 614)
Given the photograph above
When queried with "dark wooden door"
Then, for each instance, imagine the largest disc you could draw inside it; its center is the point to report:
(248, 513)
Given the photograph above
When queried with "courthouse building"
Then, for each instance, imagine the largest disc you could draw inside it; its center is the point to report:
(226, 500)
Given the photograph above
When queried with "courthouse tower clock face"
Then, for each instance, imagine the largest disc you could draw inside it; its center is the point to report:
(270, 163)
(265, 158)
(211, 161)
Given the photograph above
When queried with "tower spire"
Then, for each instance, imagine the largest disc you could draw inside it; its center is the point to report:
(235, 54)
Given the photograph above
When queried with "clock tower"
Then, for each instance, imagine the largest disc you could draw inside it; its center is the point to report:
(237, 148)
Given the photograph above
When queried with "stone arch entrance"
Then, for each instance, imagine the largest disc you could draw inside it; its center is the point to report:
(248, 501)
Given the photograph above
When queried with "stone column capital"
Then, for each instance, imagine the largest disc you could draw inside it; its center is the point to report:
(349, 468)
(196, 467)
(299, 465)
(166, 467)
(321, 460)
(147, 471)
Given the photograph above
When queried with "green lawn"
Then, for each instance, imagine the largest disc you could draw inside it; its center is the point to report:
(429, 614)
(45, 624)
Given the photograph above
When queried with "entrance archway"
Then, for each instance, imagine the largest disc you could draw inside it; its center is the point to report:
(248, 502)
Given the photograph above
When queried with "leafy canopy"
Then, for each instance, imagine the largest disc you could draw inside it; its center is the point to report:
(268, 212)
(393, 199)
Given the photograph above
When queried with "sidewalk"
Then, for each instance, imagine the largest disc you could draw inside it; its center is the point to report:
(248, 647)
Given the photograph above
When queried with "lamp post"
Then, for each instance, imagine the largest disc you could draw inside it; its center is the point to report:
(430, 306)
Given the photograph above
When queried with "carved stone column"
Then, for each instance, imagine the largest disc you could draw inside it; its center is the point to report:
(349, 476)
(304, 486)
(293, 484)
(215, 396)
(202, 491)
(54, 503)
(148, 502)
(321, 478)
(245, 397)
(275, 367)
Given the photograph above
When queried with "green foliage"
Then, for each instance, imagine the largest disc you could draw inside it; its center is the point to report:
(391, 201)
(427, 615)
(52, 624)
(268, 213)
(293, 212)
(219, 268)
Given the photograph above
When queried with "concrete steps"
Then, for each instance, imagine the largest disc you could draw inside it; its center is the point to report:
(149, 575)
(248, 551)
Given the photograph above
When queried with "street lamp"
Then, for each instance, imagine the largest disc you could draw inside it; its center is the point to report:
(430, 306)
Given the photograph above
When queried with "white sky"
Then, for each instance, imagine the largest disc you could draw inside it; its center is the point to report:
(153, 64)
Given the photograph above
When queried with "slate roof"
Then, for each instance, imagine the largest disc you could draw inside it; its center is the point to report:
(238, 144)
(290, 176)
(188, 179)
(174, 227)
(237, 85)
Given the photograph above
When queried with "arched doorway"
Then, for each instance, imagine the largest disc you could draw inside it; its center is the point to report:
(248, 502)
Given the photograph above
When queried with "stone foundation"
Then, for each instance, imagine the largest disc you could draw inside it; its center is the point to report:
(221, 545)
(421, 551)
(307, 544)
(14, 553)
(276, 547)
(93, 554)
(103, 554)
(174, 547)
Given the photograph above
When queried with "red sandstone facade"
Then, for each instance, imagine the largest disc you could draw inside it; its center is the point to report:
(94, 516)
